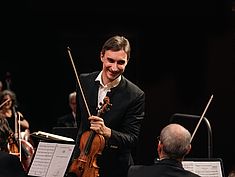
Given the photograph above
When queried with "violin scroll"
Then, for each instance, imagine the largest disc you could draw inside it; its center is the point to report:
(104, 107)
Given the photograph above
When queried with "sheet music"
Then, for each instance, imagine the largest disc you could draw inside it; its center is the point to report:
(204, 169)
(51, 159)
(52, 136)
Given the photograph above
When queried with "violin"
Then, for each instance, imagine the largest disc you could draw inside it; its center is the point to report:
(12, 145)
(25, 151)
(91, 145)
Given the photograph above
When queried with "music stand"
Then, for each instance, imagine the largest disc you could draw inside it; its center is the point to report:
(178, 117)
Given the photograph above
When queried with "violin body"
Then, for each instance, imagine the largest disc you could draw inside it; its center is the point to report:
(85, 165)
(27, 153)
(27, 150)
(12, 144)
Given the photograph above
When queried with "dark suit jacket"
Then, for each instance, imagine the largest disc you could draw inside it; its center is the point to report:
(124, 118)
(66, 121)
(163, 168)
(10, 166)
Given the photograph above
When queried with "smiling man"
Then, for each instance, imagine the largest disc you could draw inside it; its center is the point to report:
(119, 127)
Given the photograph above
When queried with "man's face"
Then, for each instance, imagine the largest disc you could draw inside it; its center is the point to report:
(73, 104)
(114, 64)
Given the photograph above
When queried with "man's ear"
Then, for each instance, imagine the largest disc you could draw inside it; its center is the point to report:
(159, 148)
(189, 149)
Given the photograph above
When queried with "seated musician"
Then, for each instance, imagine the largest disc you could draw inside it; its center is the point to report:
(8, 110)
(9, 139)
(174, 143)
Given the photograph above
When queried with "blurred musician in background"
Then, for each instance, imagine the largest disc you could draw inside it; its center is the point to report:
(69, 119)
(14, 129)
(9, 111)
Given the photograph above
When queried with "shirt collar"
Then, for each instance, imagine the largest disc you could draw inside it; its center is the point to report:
(109, 85)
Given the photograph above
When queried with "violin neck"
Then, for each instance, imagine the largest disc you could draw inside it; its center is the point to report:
(89, 142)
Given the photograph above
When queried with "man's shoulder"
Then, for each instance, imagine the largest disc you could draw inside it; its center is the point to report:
(89, 77)
(191, 174)
(65, 116)
(140, 170)
(143, 168)
(158, 169)
(132, 86)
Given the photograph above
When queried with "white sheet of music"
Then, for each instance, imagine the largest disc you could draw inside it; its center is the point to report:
(204, 169)
(51, 159)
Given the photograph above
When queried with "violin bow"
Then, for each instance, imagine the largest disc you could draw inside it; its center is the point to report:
(4, 103)
(201, 117)
(79, 84)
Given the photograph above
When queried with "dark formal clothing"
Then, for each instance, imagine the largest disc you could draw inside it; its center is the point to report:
(11, 121)
(67, 120)
(124, 118)
(163, 168)
(5, 132)
(10, 166)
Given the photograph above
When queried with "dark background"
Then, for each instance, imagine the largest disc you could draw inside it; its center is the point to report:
(182, 53)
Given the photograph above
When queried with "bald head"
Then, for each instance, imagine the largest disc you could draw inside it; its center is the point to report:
(175, 141)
